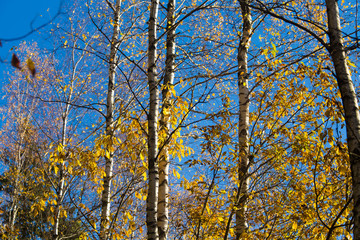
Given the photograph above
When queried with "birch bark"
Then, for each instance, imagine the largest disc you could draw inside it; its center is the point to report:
(60, 191)
(153, 115)
(350, 104)
(106, 194)
(243, 76)
(163, 216)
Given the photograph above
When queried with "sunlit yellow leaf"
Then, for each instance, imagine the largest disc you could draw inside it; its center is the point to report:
(138, 195)
(176, 174)
(107, 154)
(351, 64)
(144, 176)
(31, 66)
(294, 225)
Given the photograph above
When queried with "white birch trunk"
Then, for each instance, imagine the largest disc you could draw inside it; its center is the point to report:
(14, 210)
(350, 104)
(15, 195)
(241, 223)
(163, 215)
(153, 187)
(106, 194)
(60, 190)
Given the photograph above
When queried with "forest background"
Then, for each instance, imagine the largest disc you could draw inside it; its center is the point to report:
(180, 120)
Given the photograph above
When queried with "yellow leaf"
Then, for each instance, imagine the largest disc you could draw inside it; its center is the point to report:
(343, 169)
(294, 226)
(63, 213)
(129, 216)
(107, 154)
(144, 176)
(351, 64)
(176, 174)
(273, 51)
(60, 147)
(208, 209)
(138, 195)
(52, 221)
(94, 225)
(31, 66)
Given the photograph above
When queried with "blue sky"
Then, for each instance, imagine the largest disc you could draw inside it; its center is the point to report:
(15, 21)
(16, 16)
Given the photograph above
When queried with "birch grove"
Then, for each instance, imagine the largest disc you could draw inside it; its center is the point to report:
(183, 120)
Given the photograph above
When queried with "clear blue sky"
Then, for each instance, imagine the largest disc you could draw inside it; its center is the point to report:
(16, 17)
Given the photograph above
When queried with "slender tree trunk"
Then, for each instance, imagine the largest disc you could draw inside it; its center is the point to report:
(243, 76)
(153, 188)
(350, 104)
(18, 182)
(106, 194)
(163, 216)
(60, 190)
(13, 211)
(15, 198)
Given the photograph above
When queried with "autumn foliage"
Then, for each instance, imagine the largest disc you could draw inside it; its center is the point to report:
(183, 120)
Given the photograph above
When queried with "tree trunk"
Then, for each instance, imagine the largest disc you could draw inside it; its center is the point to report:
(350, 104)
(163, 216)
(60, 190)
(15, 197)
(243, 76)
(13, 210)
(106, 194)
(152, 197)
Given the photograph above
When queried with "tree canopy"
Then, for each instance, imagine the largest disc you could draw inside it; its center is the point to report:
(202, 119)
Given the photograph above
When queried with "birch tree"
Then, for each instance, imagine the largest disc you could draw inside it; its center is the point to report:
(17, 149)
(44, 188)
(243, 128)
(60, 192)
(337, 51)
(75, 66)
(350, 104)
(163, 198)
(152, 115)
(106, 194)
